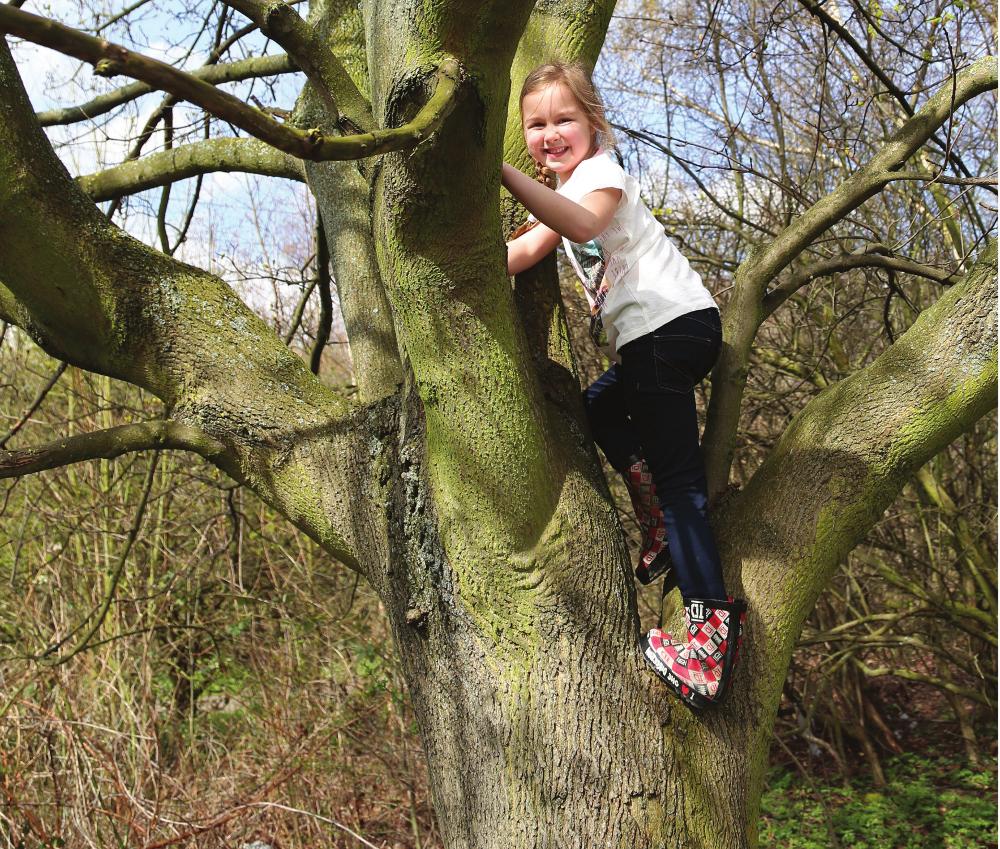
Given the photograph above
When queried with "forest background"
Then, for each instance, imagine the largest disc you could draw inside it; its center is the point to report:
(180, 666)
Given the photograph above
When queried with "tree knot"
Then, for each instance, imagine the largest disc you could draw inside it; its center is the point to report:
(416, 617)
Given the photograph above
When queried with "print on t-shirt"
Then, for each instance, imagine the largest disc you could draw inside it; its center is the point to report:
(590, 259)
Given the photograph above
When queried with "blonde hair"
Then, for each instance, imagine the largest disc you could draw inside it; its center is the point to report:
(576, 77)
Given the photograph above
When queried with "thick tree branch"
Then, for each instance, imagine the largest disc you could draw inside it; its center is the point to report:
(92, 295)
(108, 444)
(250, 156)
(279, 21)
(746, 310)
(244, 69)
(111, 59)
(847, 455)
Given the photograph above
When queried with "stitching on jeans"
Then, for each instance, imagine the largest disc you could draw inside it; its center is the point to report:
(683, 337)
(708, 325)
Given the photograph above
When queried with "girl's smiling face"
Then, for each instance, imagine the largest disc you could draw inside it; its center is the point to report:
(556, 129)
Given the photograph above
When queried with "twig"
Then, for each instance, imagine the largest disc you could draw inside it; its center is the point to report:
(112, 586)
(34, 404)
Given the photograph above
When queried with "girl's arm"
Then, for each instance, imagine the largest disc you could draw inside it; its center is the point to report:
(529, 249)
(578, 222)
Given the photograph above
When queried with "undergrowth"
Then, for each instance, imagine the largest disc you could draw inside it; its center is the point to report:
(930, 802)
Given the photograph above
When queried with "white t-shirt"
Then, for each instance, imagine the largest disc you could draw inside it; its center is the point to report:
(645, 281)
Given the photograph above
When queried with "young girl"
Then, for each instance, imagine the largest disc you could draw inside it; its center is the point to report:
(661, 328)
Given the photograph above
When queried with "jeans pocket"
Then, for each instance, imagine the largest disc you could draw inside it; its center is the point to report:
(681, 361)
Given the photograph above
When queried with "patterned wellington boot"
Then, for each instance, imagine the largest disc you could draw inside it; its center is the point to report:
(701, 670)
(654, 558)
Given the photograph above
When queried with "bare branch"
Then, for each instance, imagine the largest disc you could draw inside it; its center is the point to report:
(924, 177)
(300, 308)
(124, 13)
(161, 213)
(108, 444)
(912, 675)
(280, 21)
(43, 392)
(325, 298)
(647, 139)
(111, 59)
(746, 310)
(111, 587)
(250, 156)
(869, 61)
(788, 287)
(244, 69)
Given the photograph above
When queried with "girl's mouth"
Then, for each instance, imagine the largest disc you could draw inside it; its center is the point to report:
(556, 151)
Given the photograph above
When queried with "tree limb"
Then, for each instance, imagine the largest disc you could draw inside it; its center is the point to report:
(278, 20)
(783, 291)
(913, 675)
(325, 299)
(250, 156)
(746, 310)
(300, 308)
(847, 455)
(244, 69)
(110, 59)
(925, 177)
(93, 296)
(167, 102)
(108, 444)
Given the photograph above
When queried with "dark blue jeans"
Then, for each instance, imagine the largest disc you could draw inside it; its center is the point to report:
(644, 407)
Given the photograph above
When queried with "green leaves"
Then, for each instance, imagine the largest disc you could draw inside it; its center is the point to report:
(929, 803)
